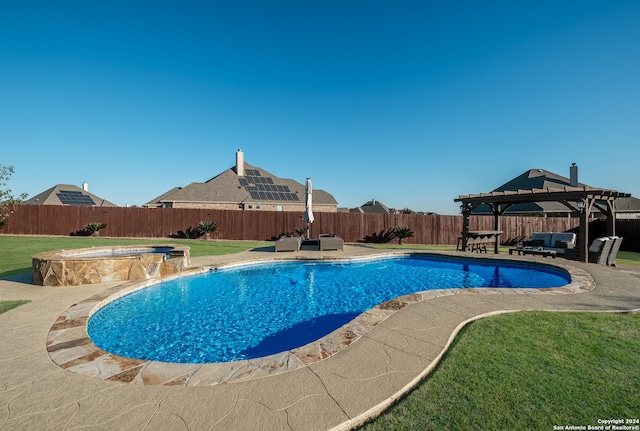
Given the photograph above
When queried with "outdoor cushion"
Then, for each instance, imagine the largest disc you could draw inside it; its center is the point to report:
(568, 237)
(537, 242)
(597, 244)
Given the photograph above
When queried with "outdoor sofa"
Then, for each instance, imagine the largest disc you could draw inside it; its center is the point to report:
(330, 242)
(558, 241)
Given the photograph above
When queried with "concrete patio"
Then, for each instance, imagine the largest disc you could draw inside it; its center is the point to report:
(336, 393)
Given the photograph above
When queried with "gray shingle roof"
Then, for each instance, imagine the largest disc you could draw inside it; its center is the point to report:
(372, 207)
(226, 188)
(52, 196)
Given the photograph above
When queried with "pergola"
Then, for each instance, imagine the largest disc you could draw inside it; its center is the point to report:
(580, 200)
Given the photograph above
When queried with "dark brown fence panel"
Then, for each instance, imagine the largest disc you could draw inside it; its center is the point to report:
(263, 225)
(630, 231)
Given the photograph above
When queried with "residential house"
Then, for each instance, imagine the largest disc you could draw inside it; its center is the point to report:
(68, 194)
(245, 187)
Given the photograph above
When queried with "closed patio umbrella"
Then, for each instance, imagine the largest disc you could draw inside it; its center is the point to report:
(308, 213)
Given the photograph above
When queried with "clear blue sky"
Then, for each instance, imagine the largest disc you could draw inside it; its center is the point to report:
(410, 102)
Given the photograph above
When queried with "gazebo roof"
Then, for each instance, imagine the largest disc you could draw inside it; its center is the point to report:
(538, 191)
(564, 194)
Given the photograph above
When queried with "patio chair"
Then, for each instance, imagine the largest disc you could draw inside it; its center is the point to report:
(599, 250)
(611, 260)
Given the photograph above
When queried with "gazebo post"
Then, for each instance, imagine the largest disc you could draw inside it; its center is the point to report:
(611, 217)
(583, 252)
(495, 208)
(465, 208)
(583, 234)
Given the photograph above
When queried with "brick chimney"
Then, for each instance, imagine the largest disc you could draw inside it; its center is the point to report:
(573, 175)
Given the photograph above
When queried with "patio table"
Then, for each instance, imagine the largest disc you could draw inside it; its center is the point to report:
(533, 251)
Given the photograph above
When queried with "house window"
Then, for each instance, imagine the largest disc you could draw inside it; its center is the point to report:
(258, 206)
(250, 206)
(279, 208)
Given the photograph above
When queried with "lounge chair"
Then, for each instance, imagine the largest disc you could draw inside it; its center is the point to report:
(611, 260)
(287, 243)
(599, 250)
(330, 242)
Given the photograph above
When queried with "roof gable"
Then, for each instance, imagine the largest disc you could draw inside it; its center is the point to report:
(537, 179)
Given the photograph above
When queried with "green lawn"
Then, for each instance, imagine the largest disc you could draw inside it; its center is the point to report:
(9, 305)
(528, 371)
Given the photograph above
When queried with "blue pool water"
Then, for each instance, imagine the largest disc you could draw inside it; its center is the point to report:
(258, 310)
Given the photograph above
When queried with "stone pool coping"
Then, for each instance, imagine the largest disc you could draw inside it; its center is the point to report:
(70, 347)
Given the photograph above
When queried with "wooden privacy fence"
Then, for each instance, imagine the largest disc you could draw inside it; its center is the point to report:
(263, 225)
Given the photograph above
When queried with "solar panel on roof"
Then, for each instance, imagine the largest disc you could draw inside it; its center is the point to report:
(264, 188)
(68, 197)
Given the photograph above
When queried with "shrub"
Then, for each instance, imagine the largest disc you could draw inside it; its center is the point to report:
(189, 233)
(382, 237)
(94, 226)
(207, 227)
(402, 233)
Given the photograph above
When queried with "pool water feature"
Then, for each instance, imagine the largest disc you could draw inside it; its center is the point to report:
(105, 264)
(261, 309)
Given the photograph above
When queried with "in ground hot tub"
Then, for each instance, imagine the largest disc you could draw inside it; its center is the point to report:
(103, 264)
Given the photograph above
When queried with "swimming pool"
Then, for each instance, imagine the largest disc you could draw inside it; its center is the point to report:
(262, 309)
